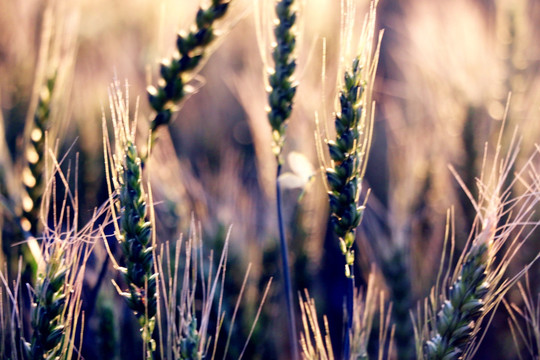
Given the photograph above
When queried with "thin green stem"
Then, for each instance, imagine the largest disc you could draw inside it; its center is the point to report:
(350, 314)
(286, 274)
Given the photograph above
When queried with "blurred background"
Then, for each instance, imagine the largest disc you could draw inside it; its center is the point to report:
(445, 73)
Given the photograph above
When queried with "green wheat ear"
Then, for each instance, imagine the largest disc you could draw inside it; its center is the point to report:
(464, 305)
(348, 156)
(137, 245)
(33, 174)
(48, 305)
(177, 71)
(280, 79)
(350, 150)
(480, 281)
(133, 229)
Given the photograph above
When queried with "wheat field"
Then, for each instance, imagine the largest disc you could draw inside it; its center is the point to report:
(269, 179)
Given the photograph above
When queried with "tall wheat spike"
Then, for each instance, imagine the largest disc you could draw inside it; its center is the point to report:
(350, 149)
(282, 90)
(133, 230)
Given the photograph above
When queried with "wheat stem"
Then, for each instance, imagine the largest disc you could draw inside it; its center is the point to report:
(286, 272)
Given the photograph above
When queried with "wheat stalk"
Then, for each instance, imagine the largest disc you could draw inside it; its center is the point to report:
(280, 101)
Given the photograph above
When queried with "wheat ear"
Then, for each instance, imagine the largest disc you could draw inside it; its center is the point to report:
(465, 304)
(176, 71)
(479, 282)
(47, 308)
(282, 88)
(344, 178)
(396, 272)
(133, 229)
(33, 173)
(350, 149)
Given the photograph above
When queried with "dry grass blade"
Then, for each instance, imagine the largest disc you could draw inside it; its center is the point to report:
(525, 321)
(189, 291)
(315, 343)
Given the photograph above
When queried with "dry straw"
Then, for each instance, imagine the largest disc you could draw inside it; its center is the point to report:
(524, 321)
(187, 315)
(368, 305)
